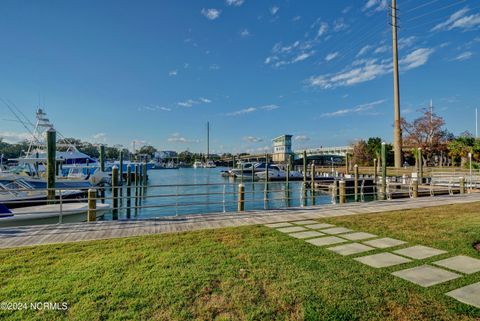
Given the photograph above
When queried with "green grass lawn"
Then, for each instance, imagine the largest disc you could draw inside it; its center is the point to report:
(240, 273)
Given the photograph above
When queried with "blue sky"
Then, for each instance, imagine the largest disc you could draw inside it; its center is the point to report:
(156, 71)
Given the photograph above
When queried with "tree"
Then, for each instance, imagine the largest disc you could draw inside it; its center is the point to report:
(360, 155)
(147, 149)
(462, 145)
(428, 133)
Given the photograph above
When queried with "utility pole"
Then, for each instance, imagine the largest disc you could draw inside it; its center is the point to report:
(476, 122)
(397, 131)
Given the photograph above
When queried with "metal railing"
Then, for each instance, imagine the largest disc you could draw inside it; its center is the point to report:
(164, 200)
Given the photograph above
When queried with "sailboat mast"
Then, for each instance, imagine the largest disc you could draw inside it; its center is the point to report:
(208, 140)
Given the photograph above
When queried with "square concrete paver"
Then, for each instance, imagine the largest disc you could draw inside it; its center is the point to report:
(426, 275)
(419, 252)
(327, 240)
(275, 225)
(304, 222)
(336, 230)
(349, 249)
(382, 260)
(319, 226)
(291, 229)
(306, 234)
(461, 263)
(384, 243)
(358, 236)
(469, 294)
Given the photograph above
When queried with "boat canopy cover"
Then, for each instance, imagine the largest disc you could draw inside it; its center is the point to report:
(4, 209)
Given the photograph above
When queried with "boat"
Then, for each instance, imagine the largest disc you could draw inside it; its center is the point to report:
(197, 164)
(209, 164)
(48, 214)
(19, 193)
(275, 172)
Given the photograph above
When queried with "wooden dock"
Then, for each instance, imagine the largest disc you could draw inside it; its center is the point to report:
(62, 233)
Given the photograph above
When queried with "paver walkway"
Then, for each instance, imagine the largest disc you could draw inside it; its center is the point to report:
(424, 275)
(45, 234)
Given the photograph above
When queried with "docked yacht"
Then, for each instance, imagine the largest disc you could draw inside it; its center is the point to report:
(209, 164)
(197, 164)
(275, 172)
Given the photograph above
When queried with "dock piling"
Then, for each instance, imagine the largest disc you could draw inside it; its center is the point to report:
(355, 182)
(420, 165)
(92, 205)
(241, 198)
(414, 188)
(129, 189)
(462, 185)
(384, 172)
(342, 195)
(51, 163)
(312, 182)
(115, 191)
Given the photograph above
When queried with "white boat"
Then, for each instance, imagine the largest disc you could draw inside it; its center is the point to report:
(48, 214)
(209, 164)
(197, 164)
(275, 172)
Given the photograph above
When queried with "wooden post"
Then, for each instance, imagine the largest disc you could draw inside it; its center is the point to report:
(355, 182)
(347, 161)
(266, 168)
(420, 165)
(341, 192)
(312, 182)
(334, 192)
(144, 172)
(129, 189)
(462, 185)
(375, 174)
(415, 188)
(287, 178)
(51, 161)
(57, 168)
(115, 191)
(92, 205)
(136, 185)
(241, 198)
(87, 170)
(384, 172)
(102, 158)
(120, 156)
(241, 173)
(305, 169)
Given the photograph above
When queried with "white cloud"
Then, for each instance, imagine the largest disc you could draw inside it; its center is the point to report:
(375, 5)
(464, 56)
(364, 50)
(322, 29)
(249, 110)
(154, 108)
(236, 3)
(296, 18)
(253, 139)
(192, 102)
(243, 111)
(460, 20)
(274, 10)
(301, 138)
(244, 33)
(303, 56)
(339, 25)
(331, 56)
(13, 137)
(346, 10)
(99, 138)
(406, 42)
(211, 14)
(269, 107)
(381, 49)
(173, 73)
(177, 138)
(368, 69)
(416, 58)
(359, 109)
(214, 67)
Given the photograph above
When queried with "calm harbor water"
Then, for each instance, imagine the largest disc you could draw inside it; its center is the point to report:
(204, 190)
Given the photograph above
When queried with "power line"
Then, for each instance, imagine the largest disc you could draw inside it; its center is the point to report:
(421, 6)
(433, 11)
